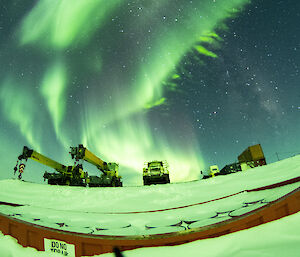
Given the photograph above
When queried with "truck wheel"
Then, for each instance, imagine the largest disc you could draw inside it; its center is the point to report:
(146, 182)
(50, 182)
(167, 179)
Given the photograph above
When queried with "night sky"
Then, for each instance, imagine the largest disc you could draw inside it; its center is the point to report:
(193, 82)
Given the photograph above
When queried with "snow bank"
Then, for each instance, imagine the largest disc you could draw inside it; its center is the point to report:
(280, 238)
(80, 206)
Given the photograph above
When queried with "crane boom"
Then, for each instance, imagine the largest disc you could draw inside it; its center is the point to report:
(67, 175)
(82, 153)
(31, 154)
(110, 170)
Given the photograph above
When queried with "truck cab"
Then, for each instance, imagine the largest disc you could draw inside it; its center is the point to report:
(156, 172)
(213, 170)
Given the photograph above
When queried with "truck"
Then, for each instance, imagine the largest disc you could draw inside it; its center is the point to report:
(109, 171)
(251, 157)
(214, 170)
(64, 175)
(156, 172)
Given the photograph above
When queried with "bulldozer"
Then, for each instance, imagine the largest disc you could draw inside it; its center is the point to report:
(65, 175)
(110, 170)
(156, 172)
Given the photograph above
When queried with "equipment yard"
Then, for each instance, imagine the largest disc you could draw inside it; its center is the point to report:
(145, 212)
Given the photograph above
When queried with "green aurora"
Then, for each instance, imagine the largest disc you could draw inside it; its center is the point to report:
(99, 73)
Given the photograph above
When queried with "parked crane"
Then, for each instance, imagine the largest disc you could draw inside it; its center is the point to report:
(110, 170)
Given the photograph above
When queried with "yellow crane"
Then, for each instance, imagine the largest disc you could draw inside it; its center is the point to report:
(110, 171)
(67, 175)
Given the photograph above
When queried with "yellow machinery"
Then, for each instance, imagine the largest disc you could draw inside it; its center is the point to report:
(67, 175)
(109, 177)
(156, 172)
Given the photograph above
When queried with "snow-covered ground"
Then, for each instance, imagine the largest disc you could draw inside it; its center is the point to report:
(161, 209)
(280, 238)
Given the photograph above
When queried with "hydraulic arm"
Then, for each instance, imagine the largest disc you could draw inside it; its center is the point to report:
(110, 175)
(67, 175)
(31, 154)
(82, 153)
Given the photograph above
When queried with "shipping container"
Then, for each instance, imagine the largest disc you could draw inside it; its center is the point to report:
(252, 153)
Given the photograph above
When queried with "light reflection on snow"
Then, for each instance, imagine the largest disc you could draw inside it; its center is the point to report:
(149, 222)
